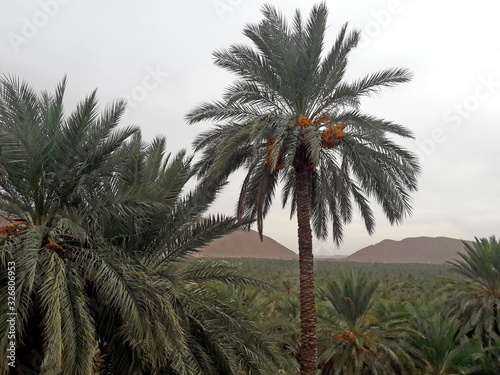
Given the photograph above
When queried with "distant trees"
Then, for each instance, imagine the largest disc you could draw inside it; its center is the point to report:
(291, 117)
(409, 323)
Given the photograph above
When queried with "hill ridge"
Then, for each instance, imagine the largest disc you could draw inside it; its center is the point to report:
(422, 249)
(246, 244)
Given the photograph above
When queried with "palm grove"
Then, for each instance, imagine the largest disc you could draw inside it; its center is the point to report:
(99, 223)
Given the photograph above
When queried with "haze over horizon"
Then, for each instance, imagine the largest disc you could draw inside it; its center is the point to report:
(158, 55)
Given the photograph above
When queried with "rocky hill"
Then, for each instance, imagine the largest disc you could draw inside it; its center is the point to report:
(246, 244)
(411, 250)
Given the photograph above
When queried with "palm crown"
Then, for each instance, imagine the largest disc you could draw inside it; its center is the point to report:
(291, 107)
(360, 336)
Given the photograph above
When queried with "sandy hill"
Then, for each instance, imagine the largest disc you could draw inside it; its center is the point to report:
(411, 250)
(246, 244)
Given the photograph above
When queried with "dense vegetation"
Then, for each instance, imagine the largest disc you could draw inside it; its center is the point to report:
(376, 318)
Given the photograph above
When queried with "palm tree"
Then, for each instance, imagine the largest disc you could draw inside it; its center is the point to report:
(291, 118)
(159, 239)
(101, 221)
(442, 348)
(474, 297)
(275, 316)
(359, 337)
(44, 159)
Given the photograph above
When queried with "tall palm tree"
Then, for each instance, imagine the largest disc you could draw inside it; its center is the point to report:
(359, 337)
(291, 118)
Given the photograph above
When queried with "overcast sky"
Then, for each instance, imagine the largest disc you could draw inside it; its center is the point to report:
(158, 54)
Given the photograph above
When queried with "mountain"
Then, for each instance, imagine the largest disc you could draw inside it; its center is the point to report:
(411, 250)
(246, 244)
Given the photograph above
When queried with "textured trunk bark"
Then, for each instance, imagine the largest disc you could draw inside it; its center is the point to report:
(308, 340)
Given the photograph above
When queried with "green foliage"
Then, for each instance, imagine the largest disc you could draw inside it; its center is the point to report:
(475, 296)
(45, 155)
(407, 307)
(365, 339)
(45, 158)
(101, 282)
(442, 346)
(351, 297)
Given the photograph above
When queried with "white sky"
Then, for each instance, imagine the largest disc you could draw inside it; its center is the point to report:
(159, 54)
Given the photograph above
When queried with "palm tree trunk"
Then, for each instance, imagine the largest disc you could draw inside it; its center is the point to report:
(308, 340)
